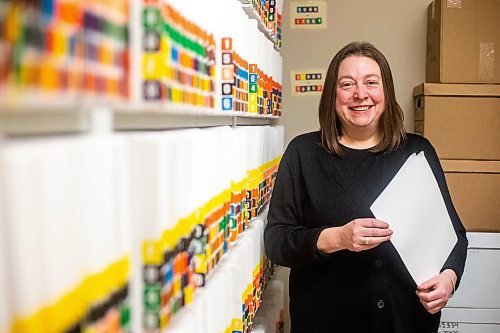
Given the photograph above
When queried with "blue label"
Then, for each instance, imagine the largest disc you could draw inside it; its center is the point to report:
(227, 103)
(253, 78)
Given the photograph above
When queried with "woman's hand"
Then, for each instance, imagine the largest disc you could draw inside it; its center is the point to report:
(357, 235)
(435, 292)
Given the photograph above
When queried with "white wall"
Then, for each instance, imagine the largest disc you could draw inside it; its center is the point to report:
(395, 27)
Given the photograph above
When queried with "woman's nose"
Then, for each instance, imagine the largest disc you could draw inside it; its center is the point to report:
(360, 91)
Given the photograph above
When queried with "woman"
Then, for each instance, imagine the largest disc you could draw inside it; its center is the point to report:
(345, 276)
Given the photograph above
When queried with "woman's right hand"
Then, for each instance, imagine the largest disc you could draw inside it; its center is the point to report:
(358, 235)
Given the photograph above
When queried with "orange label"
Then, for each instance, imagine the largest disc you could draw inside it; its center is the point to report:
(227, 44)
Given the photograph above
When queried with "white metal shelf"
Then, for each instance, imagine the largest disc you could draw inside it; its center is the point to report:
(49, 119)
(152, 118)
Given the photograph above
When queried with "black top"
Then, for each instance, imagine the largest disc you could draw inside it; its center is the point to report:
(367, 291)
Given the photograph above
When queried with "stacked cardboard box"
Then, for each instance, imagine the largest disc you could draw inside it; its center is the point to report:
(462, 37)
(458, 110)
(462, 121)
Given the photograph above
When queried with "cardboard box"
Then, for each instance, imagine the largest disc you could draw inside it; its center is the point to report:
(462, 39)
(461, 120)
(475, 190)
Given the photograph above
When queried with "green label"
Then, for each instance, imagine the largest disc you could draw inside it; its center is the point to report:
(152, 297)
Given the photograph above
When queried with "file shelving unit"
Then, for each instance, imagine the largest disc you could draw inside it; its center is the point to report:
(94, 115)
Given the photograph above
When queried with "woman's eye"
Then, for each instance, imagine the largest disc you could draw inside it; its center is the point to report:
(347, 84)
(372, 83)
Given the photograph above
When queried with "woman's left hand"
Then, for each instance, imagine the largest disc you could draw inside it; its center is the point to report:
(435, 292)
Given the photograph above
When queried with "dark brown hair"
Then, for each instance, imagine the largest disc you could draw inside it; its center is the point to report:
(391, 121)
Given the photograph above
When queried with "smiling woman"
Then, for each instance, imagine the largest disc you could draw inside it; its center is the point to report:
(346, 276)
(359, 75)
(360, 102)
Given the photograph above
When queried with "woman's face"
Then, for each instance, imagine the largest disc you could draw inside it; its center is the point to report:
(360, 94)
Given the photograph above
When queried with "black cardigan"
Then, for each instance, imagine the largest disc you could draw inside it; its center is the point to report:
(367, 291)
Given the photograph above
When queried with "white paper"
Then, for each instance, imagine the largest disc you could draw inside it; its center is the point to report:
(413, 206)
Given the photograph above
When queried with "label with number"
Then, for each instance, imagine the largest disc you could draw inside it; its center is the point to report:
(308, 15)
(227, 58)
(449, 327)
(307, 82)
(227, 103)
(227, 89)
(228, 73)
(227, 44)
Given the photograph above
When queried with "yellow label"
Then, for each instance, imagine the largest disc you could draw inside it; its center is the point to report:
(71, 307)
(188, 294)
(214, 230)
(176, 95)
(256, 270)
(237, 324)
(165, 47)
(201, 264)
(168, 241)
(177, 285)
(151, 253)
(209, 251)
(200, 100)
(60, 40)
(252, 108)
(152, 66)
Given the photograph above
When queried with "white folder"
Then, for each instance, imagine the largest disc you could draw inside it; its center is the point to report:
(413, 206)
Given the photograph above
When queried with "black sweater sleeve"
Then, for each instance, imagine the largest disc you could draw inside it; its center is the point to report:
(287, 241)
(456, 260)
